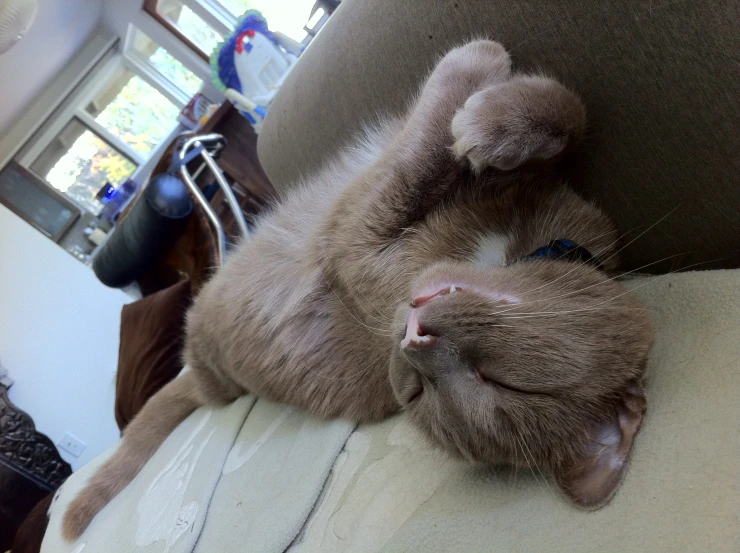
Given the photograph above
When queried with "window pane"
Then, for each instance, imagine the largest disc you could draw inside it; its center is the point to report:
(135, 111)
(166, 64)
(190, 24)
(78, 163)
(287, 16)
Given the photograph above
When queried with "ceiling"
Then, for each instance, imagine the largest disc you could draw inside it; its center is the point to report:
(60, 29)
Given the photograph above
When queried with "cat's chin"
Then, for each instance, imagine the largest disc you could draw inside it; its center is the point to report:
(409, 388)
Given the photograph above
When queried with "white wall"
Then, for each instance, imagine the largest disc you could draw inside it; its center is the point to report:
(59, 335)
(55, 91)
(60, 29)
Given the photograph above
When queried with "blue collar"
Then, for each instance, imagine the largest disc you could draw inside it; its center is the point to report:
(565, 250)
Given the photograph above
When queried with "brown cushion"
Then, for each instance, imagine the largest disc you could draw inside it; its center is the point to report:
(660, 81)
(150, 353)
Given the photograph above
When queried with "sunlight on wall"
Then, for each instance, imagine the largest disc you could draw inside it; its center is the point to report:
(286, 16)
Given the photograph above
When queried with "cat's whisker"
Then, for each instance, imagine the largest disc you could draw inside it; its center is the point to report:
(350, 378)
(376, 320)
(601, 283)
(661, 277)
(516, 460)
(629, 291)
(651, 227)
(574, 268)
(323, 376)
(539, 314)
(616, 276)
(524, 445)
(612, 244)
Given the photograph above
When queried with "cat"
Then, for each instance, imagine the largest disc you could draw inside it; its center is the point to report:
(440, 266)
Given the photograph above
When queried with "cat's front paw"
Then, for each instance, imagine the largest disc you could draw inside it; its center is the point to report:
(479, 62)
(524, 119)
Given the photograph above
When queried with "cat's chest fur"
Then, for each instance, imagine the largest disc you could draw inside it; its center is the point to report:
(490, 249)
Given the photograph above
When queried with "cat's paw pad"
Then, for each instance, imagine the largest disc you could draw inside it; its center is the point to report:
(521, 120)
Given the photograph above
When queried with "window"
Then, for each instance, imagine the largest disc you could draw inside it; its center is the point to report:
(78, 163)
(287, 16)
(144, 50)
(134, 111)
(202, 24)
(201, 34)
(115, 124)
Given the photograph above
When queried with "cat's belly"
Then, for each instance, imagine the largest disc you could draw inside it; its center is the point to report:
(271, 324)
(326, 363)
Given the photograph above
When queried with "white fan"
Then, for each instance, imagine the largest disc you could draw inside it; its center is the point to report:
(16, 17)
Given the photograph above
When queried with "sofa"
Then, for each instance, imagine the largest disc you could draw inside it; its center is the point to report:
(659, 79)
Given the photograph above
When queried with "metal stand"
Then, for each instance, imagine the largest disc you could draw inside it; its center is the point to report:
(204, 146)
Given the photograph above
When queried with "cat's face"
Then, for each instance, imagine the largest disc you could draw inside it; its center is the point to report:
(535, 364)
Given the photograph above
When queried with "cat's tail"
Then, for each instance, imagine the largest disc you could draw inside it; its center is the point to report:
(157, 419)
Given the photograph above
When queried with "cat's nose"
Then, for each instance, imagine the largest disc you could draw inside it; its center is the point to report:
(416, 337)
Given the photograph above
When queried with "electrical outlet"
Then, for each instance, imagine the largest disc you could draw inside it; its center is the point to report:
(72, 445)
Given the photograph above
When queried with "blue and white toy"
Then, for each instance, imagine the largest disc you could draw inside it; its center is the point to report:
(251, 64)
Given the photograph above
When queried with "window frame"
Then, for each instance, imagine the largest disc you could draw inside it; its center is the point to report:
(98, 131)
(220, 19)
(217, 20)
(82, 96)
(140, 65)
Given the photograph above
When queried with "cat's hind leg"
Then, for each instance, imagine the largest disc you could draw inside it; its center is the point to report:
(527, 118)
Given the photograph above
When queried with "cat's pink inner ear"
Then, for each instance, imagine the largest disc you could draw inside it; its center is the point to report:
(592, 480)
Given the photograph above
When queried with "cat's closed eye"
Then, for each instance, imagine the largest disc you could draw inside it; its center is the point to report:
(499, 384)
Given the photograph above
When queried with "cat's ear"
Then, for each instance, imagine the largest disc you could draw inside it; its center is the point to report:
(591, 480)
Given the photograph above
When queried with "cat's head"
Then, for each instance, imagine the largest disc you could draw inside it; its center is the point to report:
(534, 364)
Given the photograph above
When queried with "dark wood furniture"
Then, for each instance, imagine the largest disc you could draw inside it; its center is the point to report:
(30, 468)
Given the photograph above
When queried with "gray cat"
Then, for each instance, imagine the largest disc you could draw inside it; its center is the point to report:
(442, 267)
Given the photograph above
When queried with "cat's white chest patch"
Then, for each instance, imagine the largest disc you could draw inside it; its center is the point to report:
(491, 250)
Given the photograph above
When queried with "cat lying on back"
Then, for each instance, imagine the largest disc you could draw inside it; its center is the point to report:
(441, 267)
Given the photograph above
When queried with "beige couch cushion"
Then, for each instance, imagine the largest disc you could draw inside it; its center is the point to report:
(660, 80)
(285, 478)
